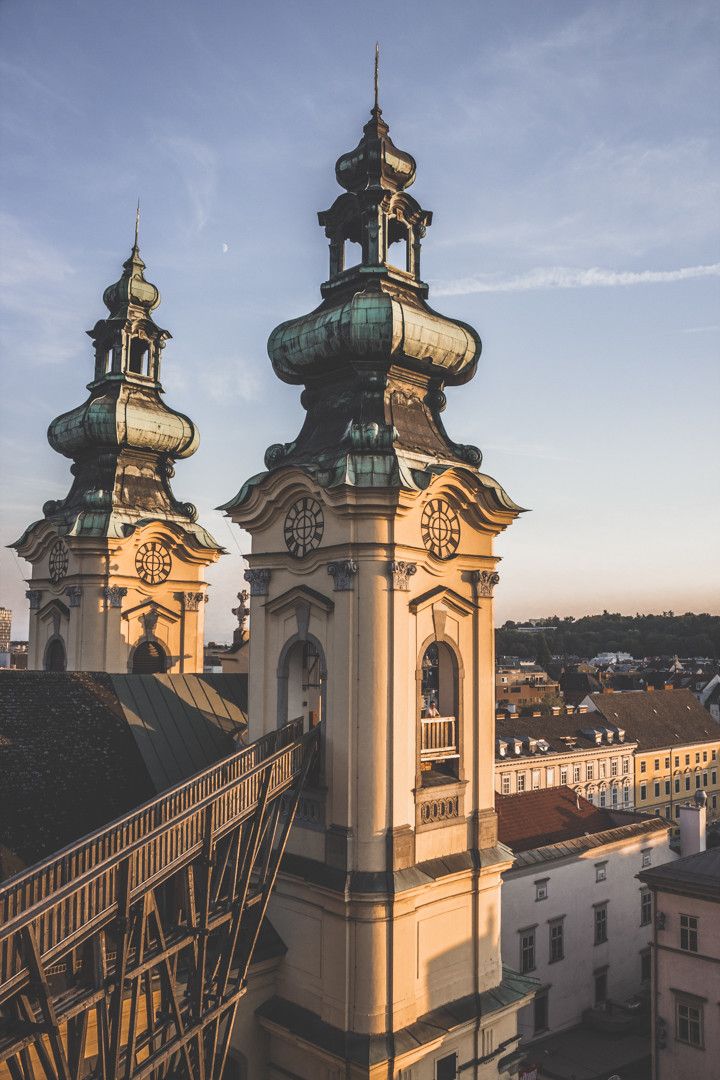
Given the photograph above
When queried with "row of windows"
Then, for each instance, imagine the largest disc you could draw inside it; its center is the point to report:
(643, 764)
(556, 943)
(536, 777)
(666, 810)
(542, 885)
(701, 780)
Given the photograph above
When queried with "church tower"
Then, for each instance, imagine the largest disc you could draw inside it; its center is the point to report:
(117, 566)
(371, 579)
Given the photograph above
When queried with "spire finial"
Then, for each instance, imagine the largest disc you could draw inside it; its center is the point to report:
(137, 223)
(377, 74)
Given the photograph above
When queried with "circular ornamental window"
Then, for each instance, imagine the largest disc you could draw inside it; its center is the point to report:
(58, 561)
(153, 563)
(440, 528)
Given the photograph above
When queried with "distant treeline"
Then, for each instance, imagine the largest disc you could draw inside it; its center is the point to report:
(640, 635)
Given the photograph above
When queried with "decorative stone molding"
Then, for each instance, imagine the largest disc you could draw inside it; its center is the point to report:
(74, 595)
(242, 611)
(439, 809)
(149, 621)
(485, 580)
(34, 596)
(342, 574)
(114, 595)
(400, 573)
(190, 600)
(259, 581)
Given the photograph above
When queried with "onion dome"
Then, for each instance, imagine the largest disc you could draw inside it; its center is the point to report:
(375, 161)
(374, 357)
(124, 439)
(132, 290)
(124, 419)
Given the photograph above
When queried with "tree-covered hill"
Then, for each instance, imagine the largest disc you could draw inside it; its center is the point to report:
(640, 635)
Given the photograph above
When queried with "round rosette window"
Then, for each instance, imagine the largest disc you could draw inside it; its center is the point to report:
(304, 526)
(440, 528)
(58, 561)
(153, 563)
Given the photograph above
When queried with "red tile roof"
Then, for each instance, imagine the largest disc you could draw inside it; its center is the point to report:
(536, 818)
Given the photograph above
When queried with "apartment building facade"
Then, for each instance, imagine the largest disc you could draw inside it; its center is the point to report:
(533, 753)
(677, 750)
(574, 915)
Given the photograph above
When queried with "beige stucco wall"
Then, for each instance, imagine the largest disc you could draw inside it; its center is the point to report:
(101, 632)
(371, 962)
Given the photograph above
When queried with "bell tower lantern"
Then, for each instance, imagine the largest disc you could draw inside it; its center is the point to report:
(118, 564)
(371, 580)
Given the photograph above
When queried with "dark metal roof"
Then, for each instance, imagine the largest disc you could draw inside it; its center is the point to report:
(659, 719)
(697, 875)
(78, 749)
(374, 1049)
(182, 723)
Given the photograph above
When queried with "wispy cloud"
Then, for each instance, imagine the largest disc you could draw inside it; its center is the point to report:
(563, 277)
(196, 164)
(38, 286)
(700, 329)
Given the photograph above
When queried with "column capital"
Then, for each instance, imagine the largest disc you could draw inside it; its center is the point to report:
(400, 574)
(34, 597)
(259, 581)
(485, 581)
(191, 600)
(114, 595)
(342, 574)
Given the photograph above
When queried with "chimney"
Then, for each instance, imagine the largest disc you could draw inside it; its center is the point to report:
(693, 822)
(650, 689)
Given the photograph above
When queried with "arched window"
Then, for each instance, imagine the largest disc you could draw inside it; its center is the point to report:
(590, 793)
(614, 793)
(139, 351)
(626, 793)
(55, 658)
(149, 659)
(603, 794)
(439, 720)
(302, 679)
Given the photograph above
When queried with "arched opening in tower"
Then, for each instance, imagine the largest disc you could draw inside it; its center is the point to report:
(439, 745)
(55, 658)
(139, 353)
(149, 659)
(302, 679)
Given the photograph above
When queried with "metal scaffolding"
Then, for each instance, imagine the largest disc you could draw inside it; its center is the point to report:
(124, 956)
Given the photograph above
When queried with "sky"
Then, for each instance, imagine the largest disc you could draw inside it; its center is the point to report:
(569, 153)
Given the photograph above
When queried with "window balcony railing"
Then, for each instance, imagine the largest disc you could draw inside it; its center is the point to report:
(438, 739)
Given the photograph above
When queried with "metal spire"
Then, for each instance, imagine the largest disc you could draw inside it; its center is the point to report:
(377, 73)
(137, 223)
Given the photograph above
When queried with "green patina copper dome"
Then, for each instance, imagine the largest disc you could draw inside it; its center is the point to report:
(374, 357)
(124, 439)
(124, 417)
(373, 327)
(132, 290)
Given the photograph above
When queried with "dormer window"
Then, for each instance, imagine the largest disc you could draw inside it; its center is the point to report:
(139, 356)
